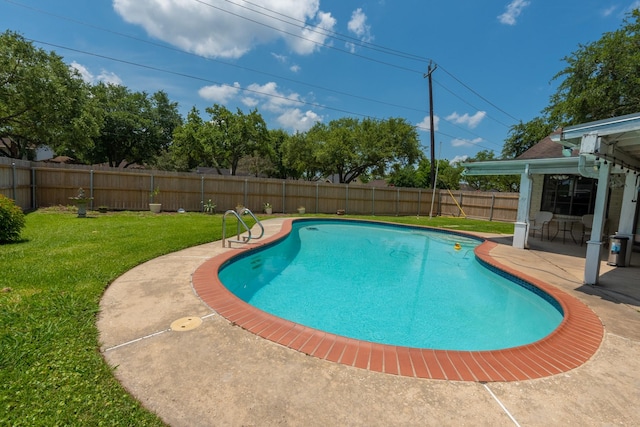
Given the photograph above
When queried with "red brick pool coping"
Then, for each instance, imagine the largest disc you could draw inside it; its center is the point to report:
(572, 344)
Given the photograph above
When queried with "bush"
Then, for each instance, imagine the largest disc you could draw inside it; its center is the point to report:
(11, 220)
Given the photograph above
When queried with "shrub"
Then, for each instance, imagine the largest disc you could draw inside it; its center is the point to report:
(11, 220)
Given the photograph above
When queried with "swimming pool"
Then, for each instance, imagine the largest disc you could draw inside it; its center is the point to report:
(393, 285)
(569, 346)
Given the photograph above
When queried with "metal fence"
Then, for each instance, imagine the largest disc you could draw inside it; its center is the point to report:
(36, 184)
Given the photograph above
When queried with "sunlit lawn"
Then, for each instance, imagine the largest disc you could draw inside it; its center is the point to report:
(51, 372)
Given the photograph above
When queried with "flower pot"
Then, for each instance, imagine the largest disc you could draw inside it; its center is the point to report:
(301, 210)
(268, 211)
(155, 207)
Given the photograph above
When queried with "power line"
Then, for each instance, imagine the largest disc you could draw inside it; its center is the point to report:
(253, 70)
(479, 96)
(361, 43)
(333, 34)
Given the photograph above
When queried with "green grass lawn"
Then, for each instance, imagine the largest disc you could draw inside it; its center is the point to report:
(51, 371)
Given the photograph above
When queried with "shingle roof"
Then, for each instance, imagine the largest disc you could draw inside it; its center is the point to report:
(545, 149)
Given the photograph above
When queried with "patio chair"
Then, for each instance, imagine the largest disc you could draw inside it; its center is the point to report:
(538, 223)
(587, 225)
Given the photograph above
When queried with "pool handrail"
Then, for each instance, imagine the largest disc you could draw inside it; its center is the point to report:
(237, 214)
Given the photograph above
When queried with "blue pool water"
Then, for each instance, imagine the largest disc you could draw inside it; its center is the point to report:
(392, 285)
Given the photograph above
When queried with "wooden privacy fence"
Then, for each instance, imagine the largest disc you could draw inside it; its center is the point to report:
(35, 184)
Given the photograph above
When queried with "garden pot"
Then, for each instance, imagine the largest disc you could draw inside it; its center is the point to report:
(155, 207)
(301, 210)
(268, 211)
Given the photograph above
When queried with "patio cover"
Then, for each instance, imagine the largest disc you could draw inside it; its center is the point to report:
(604, 147)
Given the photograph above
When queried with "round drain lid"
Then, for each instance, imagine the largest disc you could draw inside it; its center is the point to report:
(186, 323)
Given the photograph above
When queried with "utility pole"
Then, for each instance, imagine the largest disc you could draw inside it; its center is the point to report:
(432, 176)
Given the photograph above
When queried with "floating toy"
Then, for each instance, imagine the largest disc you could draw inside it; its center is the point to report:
(457, 246)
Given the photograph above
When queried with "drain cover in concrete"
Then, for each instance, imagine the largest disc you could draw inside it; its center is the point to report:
(186, 324)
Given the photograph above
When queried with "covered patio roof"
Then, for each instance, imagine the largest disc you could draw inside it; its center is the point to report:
(596, 150)
(619, 139)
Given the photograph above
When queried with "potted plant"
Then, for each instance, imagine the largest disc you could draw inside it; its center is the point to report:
(103, 209)
(240, 208)
(268, 209)
(301, 210)
(209, 207)
(154, 207)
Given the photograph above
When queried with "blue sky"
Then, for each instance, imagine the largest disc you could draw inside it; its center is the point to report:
(302, 61)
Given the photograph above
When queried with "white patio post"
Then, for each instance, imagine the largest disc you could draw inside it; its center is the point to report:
(594, 245)
(521, 227)
(628, 211)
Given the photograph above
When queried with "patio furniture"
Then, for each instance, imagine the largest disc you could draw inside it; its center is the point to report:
(538, 223)
(565, 225)
(587, 225)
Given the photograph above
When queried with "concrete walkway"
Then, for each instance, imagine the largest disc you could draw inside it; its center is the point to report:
(204, 371)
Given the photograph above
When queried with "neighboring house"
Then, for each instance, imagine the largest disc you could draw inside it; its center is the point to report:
(593, 168)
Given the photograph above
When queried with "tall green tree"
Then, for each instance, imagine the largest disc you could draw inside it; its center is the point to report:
(509, 183)
(299, 157)
(351, 148)
(524, 136)
(237, 135)
(189, 149)
(134, 127)
(602, 79)
(42, 101)
(278, 138)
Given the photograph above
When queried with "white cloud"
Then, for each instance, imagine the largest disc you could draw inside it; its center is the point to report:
(104, 76)
(425, 124)
(458, 159)
(295, 68)
(358, 26)
(269, 98)
(273, 99)
(609, 11)
(219, 28)
(220, 94)
(460, 142)
(84, 72)
(297, 120)
(634, 5)
(514, 9)
(279, 58)
(471, 121)
(109, 77)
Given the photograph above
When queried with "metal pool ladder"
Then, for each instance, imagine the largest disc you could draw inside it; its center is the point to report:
(241, 224)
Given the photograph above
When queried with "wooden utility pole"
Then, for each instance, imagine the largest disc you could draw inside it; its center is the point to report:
(432, 176)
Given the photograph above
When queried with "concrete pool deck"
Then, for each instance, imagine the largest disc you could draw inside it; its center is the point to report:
(206, 371)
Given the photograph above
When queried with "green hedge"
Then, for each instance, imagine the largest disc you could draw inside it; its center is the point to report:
(11, 220)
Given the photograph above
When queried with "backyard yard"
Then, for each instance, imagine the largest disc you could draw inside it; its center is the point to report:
(51, 371)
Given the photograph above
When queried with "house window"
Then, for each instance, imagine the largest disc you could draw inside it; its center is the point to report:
(569, 194)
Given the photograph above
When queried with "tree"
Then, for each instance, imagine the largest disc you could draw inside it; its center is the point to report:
(188, 148)
(134, 127)
(449, 175)
(42, 102)
(601, 79)
(492, 182)
(350, 148)
(524, 136)
(299, 157)
(236, 135)
(278, 138)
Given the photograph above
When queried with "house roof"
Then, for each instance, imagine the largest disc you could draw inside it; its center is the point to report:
(546, 148)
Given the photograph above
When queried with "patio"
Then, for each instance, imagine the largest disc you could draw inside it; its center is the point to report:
(218, 374)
